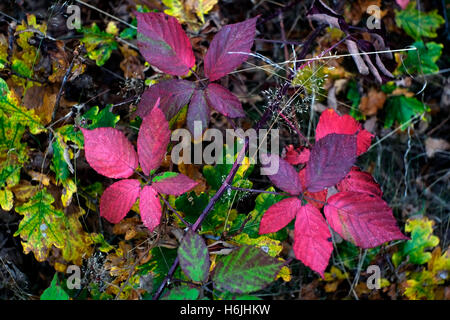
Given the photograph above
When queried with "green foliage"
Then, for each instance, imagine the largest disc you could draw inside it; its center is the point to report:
(99, 44)
(423, 60)
(354, 96)
(402, 109)
(192, 205)
(418, 24)
(422, 238)
(182, 293)
(55, 291)
(245, 270)
(194, 257)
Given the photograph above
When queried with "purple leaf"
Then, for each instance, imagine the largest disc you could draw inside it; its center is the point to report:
(331, 159)
(173, 94)
(176, 184)
(286, 178)
(220, 59)
(164, 44)
(198, 111)
(109, 152)
(153, 138)
(118, 199)
(224, 101)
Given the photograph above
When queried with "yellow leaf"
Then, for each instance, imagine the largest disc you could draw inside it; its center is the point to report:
(6, 199)
(268, 245)
(191, 12)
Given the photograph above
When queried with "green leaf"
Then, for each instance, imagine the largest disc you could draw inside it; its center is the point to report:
(354, 96)
(164, 176)
(192, 205)
(99, 44)
(182, 293)
(104, 118)
(423, 60)
(245, 270)
(422, 238)
(402, 109)
(43, 226)
(251, 224)
(55, 291)
(418, 24)
(194, 257)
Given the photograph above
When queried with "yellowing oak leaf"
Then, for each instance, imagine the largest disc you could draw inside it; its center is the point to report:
(190, 12)
(43, 226)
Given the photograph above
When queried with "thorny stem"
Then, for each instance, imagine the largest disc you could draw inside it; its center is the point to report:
(229, 179)
(256, 190)
(174, 211)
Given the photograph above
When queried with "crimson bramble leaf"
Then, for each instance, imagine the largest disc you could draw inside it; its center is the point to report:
(194, 257)
(331, 159)
(331, 122)
(359, 181)
(175, 184)
(312, 243)
(150, 207)
(153, 138)
(164, 44)
(109, 152)
(363, 219)
(279, 215)
(229, 48)
(118, 199)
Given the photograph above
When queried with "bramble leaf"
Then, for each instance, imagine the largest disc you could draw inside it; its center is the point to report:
(229, 48)
(312, 242)
(55, 291)
(109, 152)
(279, 215)
(174, 94)
(173, 183)
(363, 219)
(286, 178)
(245, 270)
(360, 181)
(118, 199)
(222, 100)
(153, 138)
(182, 292)
(418, 24)
(150, 207)
(331, 159)
(194, 257)
(198, 112)
(164, 44)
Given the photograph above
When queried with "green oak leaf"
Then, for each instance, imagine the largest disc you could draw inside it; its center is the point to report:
(418, 24)
(402, 109)
(423, 60)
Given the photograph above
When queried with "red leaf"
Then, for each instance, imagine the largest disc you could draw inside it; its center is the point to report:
(198, 111)
(175, 185)
(331, 159)
(364, 219)
(312, 240)
(286, 177)
(109, 152)
(238, 37)
(317, 199)
(118, 199)
(150, 207)
(279, 215)
(153, 138)
(223, 101)
(164, 44)
(331, 122)
(296, 156)
(173, 94)
(359, 181)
